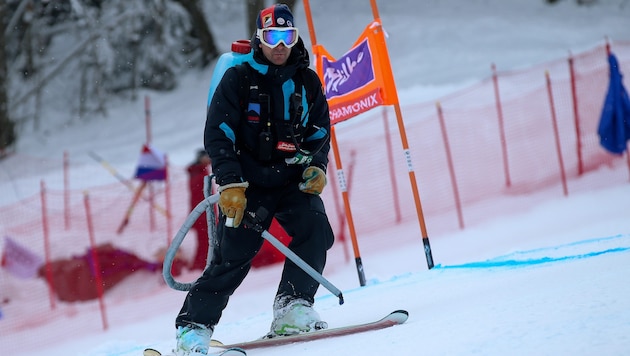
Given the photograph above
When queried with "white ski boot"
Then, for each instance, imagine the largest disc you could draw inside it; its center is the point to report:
(193, 340)
(293, 316)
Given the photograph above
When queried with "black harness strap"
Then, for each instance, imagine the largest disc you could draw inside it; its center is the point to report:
(244, 81)
(248, 81)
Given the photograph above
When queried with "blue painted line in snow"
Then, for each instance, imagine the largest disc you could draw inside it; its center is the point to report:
(529, 262)
(558, 247)
(509, 260)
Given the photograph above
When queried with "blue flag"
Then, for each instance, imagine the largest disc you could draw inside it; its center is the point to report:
(614, 125)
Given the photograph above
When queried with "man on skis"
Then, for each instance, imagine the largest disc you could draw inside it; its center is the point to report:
(267, 134)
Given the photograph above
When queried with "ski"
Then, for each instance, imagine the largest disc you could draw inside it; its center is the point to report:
(232, 351)
(394, 318)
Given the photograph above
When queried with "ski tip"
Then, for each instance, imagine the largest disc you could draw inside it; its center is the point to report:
(216, 343)
(399, 316)
(151, 352)
(233, 351)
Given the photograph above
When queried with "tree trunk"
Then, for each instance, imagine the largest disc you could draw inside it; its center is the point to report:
(202, 30)
(7, 127)
(253, 8)
(290, 4)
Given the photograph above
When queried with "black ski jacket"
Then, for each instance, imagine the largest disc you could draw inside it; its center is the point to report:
(248, 142)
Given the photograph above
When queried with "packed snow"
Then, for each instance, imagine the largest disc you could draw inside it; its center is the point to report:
(549, 279)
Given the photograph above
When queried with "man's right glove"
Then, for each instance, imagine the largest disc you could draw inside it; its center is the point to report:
(232, 202)
(314, 180)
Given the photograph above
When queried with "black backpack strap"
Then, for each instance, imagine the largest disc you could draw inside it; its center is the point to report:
(301, 88)
(244, 75)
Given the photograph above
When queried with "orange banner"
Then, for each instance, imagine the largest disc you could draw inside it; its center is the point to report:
(361, 79)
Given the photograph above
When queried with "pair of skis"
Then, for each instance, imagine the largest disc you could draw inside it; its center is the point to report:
(239, 349)
(252, 220)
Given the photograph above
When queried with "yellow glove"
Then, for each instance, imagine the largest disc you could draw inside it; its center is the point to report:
(232, 202)
(314, 180)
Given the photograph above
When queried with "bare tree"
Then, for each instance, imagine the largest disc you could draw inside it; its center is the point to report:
(290, 4)
(253, 7)
(7, 127)
(202, 30)
(117, 46)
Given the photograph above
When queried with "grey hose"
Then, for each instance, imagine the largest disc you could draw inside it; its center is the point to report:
(194, 215)
(179, 238)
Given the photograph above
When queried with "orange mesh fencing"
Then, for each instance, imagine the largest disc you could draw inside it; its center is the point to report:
(485, 166)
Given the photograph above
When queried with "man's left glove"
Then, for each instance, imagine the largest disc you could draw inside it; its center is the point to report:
(314, 180)
(299, 158)
(232, 202)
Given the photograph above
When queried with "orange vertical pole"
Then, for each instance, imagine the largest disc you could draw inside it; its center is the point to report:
(576, 116)
(346, 202)
(499, 106)
(66, 190)
(147, 120)
(414, 186)
(47, 250)
(342, 220)
(392, 171)
(406, 150)
(375, 13)
(451, 166)
(147, 117)
(167, 193)
(309, 22)
(134, 201)
(340, 174)
(556, 132)
(98, 272)
(152, 226)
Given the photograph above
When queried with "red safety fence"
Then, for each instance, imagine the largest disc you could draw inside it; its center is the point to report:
(515, 133)
(480, 148)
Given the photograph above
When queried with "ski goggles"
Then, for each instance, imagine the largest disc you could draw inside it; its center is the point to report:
(272, 36)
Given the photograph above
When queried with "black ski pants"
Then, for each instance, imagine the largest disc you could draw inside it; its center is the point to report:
(302, 216)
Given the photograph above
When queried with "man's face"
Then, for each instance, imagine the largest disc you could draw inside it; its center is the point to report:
(278, 55)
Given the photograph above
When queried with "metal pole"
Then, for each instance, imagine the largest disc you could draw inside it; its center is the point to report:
(194, 215)
(303, 265)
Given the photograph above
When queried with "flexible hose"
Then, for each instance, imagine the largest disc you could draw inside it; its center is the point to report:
(179, 238)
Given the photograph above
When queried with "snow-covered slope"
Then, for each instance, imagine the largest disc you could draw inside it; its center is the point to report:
(551, 280)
